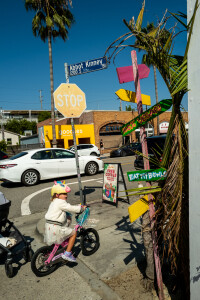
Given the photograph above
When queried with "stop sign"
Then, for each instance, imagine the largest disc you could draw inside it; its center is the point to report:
(69, 100)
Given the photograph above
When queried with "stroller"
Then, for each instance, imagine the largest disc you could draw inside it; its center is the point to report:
(12, 242)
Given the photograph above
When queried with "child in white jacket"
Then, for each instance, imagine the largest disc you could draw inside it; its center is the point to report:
(58, 219)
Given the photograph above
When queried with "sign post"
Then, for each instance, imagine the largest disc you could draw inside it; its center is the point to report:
(147, 167)
(70, 101)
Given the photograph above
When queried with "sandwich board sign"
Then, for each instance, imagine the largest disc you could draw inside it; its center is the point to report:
(114, 184)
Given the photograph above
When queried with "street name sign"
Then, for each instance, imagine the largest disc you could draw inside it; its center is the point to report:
(69, 100)
(147, 175)
(145, 117)
(130, 96)
(87, 66)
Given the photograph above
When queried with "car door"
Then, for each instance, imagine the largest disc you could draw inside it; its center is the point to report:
(66, 162)
(45, 163)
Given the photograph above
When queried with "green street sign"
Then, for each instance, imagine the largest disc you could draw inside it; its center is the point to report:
(147, 175)
(145, 117)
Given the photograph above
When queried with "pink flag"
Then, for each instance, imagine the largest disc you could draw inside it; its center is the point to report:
(125, 74)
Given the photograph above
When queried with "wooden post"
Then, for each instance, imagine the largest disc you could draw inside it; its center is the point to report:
(147, 167)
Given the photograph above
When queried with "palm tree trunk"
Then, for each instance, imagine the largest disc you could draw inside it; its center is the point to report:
(148, 246)
(156, 91)
(54, 142)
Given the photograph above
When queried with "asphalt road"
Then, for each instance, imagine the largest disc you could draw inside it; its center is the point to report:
(31, 200)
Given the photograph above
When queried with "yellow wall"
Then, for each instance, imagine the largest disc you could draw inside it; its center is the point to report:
(65, 132)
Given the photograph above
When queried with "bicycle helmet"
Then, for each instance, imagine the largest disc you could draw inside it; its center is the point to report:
(59, 188)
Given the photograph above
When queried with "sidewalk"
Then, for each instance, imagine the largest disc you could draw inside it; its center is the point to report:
(118, 239)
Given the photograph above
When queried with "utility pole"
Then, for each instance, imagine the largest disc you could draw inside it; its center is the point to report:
(41, 98)
(2, 124)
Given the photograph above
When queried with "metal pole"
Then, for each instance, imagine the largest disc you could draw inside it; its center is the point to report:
(147, 167)
(77, 162)
(75, 145)
(2, 125)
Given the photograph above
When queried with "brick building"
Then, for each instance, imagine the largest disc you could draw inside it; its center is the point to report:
(107, 125)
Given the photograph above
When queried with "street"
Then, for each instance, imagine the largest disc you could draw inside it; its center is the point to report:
(31, 200)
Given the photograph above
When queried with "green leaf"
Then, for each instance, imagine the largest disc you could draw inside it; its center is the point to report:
(49, 22)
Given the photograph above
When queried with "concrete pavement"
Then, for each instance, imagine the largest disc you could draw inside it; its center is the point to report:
(120, 249)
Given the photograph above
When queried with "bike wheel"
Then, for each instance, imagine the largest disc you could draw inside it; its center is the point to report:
(89, 241)
(37, 262)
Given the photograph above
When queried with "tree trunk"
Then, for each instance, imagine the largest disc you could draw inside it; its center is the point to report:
(156, 92)
(148, 246)
(54, 142)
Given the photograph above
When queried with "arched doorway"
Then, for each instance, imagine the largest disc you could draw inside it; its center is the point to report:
(111, 135)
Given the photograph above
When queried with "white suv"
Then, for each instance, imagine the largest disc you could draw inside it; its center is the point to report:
(86, 149)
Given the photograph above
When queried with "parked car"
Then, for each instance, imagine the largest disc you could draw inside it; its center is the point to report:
(3, 155)
(86, 149)
(31, 166)
(155, 146)
(126, 150)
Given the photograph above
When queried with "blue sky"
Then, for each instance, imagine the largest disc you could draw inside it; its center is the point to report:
(24, 59)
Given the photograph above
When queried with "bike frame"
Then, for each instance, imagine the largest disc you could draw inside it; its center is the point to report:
(56, 246)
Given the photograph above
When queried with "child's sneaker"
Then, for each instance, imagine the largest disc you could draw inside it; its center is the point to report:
(68, 256)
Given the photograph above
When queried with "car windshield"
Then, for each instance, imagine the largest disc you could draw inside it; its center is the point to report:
(18, 155)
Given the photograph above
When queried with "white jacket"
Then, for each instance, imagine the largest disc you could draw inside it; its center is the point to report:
(58, 208)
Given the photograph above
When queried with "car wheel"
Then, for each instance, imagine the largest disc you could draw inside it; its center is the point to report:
(93, 153)
(123, 153)
(91, 168)
(30, 177)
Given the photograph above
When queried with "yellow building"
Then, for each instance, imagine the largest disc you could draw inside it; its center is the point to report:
(64, 136)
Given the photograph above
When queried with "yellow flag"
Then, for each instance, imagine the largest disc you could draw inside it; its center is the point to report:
(130, 96)
(138, 208)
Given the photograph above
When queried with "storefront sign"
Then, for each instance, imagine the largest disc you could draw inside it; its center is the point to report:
(145, 117)
(113, 183)
(147, 175)
(163, 127)
(87, 66)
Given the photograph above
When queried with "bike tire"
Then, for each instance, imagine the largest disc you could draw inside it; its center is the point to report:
(37, 262)
(89, 241)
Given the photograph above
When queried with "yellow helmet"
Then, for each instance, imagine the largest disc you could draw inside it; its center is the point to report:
(59, 188)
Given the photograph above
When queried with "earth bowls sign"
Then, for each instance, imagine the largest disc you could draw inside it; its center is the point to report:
(69, 100)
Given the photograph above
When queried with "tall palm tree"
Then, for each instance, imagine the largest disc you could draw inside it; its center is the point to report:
(52, 19)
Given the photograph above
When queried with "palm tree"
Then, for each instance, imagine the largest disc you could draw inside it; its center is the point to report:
(52, 19)
(172, 201)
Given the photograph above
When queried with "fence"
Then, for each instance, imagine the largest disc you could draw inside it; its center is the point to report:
(12, 150)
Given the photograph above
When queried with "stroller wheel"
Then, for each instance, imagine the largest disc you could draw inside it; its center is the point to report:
(9, 270)
(38, 265)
